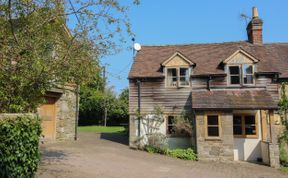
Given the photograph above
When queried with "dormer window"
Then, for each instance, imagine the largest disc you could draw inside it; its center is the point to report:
(177, 70)
(177, 77)
(241, 74)
(240, 68)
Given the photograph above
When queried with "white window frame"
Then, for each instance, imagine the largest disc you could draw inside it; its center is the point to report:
(241, 75)
(177, 77)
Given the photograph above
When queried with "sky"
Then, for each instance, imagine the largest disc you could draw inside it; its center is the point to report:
(159, 22)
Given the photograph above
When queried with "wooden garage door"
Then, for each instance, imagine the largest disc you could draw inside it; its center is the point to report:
(48, 116)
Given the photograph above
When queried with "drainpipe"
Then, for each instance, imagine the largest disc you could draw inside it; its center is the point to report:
(139, 105)
(77, 113)
(208, 82)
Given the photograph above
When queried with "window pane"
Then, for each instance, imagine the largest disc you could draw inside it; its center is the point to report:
(236, 120)
(184, 71)
(234, 70)
(170, 120)
(237, 130)
(235, 79)
(249, 119)
(247, 69)
(172, 77)
(184, 76)
(170, 130)
(212, 120)
(248, 79)
(250, 130)
(213, 131)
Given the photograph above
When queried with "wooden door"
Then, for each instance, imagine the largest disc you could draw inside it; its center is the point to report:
(47, 113)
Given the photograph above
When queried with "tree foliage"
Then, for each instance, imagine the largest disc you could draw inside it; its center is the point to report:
(283, 110)
(39, 51)
(93, 102)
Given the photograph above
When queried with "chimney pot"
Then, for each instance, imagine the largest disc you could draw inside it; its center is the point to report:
(255, 13)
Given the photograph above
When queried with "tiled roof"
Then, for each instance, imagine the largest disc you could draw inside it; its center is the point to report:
(273, 57)
(232, 99)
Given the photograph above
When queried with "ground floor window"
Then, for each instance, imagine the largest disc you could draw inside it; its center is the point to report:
(177, 127)
(213, 126)
(245, 126)
(170, 125)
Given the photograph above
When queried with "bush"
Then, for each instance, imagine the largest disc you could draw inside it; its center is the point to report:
(186, 154)
(283, 153)
(154, 149)
(19, 146)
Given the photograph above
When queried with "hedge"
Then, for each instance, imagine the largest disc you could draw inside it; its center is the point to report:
(19, 146)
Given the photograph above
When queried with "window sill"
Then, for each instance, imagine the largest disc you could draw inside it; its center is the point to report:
(213, 139)
(246, 136)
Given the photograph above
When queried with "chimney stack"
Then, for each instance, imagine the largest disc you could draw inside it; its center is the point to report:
(254, 28)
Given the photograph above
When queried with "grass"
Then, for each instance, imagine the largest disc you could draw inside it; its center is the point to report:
(102, 129)
(284, 169)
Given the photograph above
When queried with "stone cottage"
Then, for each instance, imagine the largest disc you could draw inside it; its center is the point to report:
(230, 89)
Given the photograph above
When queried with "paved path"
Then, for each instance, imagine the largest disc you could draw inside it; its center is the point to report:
(108, 156)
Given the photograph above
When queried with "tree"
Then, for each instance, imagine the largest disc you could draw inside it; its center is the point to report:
(38, 51)
(118, 113)
(283, 139)
(92, 107)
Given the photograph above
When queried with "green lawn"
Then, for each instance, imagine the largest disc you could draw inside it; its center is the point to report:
(101, 129)
(284, 169)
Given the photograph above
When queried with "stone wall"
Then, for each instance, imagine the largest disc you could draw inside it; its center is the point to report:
(66, 114)
(215, 149)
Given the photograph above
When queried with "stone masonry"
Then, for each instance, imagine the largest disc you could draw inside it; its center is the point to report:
(66, 115)
(215, 149)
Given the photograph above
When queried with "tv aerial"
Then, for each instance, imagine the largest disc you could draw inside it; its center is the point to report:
(137, 47)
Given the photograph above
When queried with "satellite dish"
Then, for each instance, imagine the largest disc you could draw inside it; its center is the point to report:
(137, 46)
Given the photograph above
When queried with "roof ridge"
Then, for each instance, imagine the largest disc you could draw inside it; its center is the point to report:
(188, 44)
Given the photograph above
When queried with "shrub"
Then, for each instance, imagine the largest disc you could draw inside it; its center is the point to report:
(283, 153)
(187, 154)
(19, 146)
(154, 149)
(158, 140)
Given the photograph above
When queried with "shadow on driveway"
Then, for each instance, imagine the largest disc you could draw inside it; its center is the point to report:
(121, 138)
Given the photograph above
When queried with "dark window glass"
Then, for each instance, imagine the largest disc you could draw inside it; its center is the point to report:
(237, 120)
(170, 125)
(250, 130)
(237, 125)
(234, 70)
(237, 130)
(212, 120)
(250, 125)
(213, 126)
(213, 131)
(249, 120)
(235, 79)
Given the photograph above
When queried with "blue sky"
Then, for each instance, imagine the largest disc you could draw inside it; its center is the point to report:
(157, 22)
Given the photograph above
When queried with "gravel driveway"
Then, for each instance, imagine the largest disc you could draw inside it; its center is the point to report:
(108, 156)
